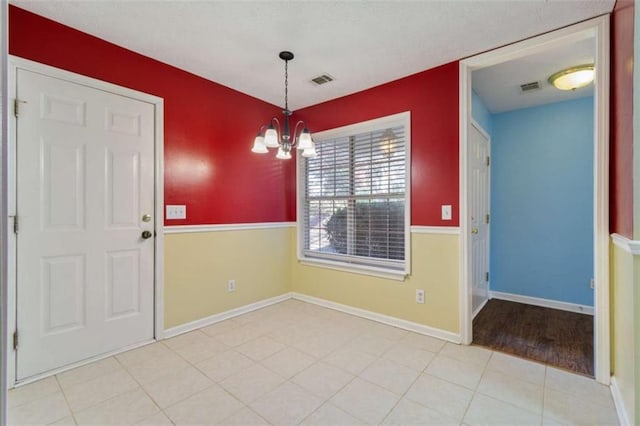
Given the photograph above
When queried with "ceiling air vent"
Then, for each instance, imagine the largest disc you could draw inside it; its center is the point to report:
(322, 79)
(530, 87)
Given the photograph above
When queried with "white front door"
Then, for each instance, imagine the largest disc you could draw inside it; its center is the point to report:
(85, 194)
(479, 164)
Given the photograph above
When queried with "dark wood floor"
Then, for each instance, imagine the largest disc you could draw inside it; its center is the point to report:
(559, 338)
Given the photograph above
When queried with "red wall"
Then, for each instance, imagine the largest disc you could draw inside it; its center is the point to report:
(621, 186)
(432, 98)
(208, 128)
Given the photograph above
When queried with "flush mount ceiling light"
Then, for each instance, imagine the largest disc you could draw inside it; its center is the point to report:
(281, 138)
(573, 78)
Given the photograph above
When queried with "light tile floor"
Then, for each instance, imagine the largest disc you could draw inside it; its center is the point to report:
(298, 363)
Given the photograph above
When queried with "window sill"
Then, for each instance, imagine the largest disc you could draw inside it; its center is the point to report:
(354, 269)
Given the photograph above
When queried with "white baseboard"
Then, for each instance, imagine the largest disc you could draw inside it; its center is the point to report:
(203, 322)
(546, 303)
(623, 415)
(385, 319)
(479, 308)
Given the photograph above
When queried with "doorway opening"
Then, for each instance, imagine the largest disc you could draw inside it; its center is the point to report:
(548, 212)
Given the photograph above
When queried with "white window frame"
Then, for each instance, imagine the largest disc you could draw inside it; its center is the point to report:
(400, 119)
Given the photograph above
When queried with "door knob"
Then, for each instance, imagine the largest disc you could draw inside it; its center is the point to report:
(146, 234)
(474, 230)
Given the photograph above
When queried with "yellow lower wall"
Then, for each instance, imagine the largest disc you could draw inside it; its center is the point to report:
(198, 266)
(434, 268)
(623, 327)
(264, 264)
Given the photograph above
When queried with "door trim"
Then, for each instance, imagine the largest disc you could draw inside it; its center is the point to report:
(599, 29)
(16, 63)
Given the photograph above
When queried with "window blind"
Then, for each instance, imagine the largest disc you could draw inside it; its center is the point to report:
(354, 199)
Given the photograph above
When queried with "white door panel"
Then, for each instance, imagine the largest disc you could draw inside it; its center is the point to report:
(123, 284)
(479, 210)
(85, 281)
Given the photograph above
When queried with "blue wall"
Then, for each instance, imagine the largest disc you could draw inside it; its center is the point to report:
(481, 114)
(542, 202)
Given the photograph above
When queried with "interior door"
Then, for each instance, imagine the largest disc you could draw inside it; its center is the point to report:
(479, 164)
(85, 195)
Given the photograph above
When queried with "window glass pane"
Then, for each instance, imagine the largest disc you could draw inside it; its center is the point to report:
(319, 216)
(379, 229)
(354, 197)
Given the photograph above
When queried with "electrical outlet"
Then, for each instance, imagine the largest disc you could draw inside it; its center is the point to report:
(419, 295)
(446, 212)
(231, 286)
(176, 212)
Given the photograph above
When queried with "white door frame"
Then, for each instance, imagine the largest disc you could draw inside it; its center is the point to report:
(598, 28)
(16, 63)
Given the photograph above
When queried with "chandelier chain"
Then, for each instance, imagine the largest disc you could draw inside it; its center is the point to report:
(286, 85)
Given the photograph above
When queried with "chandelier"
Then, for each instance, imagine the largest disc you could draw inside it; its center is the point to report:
(279, 137)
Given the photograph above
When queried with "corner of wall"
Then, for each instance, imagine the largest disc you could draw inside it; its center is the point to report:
(435, 268)
(625, 326)
(198, 266)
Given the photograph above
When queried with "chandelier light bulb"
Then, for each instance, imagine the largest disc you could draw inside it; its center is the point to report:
(282, 154)
(258, 145)
(304, 142)
(271, 137)
(310, 152)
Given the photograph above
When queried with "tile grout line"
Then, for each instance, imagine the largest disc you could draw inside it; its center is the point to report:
(213, 382)
(64, 395)
(141, 387)
(317, 360)
(475, 390)
(327, 400)
(404, 394)
(36, 399)
(544, 393)
(525, 381)
(74, 412)
(257, 362)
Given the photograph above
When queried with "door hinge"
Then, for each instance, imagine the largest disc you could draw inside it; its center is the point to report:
(486, 276)
(16, 226)
(487, 217)
(16, 106)
(15, 340)
(488, 161)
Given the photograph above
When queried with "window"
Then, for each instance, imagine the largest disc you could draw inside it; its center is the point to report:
(354, 197)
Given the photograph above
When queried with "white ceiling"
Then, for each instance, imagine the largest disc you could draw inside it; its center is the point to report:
(499, 86)
(360, 43)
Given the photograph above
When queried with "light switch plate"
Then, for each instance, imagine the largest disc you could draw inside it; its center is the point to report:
(446, 212)
(176, 212)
